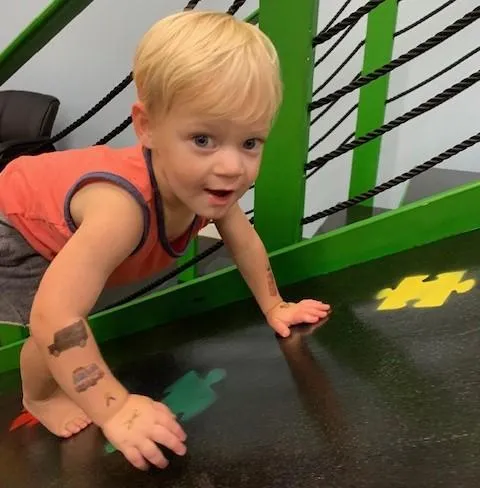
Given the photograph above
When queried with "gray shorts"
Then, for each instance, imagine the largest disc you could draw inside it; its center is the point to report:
(21, 269)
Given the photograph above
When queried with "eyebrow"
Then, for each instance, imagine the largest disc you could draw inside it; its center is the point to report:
(214, 125)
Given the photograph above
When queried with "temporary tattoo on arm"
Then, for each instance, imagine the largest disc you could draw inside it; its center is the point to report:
(74, 335)
(109, 399)
(271, 282)
(86, 377)
(129, 423)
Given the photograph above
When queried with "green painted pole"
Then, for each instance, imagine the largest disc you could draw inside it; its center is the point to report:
(190, 253)
(372, 102)
(280, 188)
(38, 33)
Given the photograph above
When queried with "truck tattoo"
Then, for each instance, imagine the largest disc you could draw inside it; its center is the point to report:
(72, 336)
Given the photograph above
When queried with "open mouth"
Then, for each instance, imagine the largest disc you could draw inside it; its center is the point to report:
(220, 193)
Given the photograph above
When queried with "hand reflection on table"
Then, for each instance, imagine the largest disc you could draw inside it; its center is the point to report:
(317, 394)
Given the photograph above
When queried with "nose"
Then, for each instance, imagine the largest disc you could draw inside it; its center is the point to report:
(229, 164)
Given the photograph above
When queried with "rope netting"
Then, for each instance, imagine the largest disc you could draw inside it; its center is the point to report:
(434, 102)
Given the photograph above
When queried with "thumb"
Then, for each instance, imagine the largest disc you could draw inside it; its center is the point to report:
(280, 327)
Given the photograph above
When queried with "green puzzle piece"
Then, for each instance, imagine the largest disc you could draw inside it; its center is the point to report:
(189, 396)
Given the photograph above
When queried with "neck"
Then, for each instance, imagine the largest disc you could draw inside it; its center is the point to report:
(176, 213)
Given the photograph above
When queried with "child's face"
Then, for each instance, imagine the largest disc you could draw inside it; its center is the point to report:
(204, 164)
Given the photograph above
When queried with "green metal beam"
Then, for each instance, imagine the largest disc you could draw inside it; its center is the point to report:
(38, 33)
(11, 333)
(280, 188)
(413, 225)
(372, 101)
(253, 17)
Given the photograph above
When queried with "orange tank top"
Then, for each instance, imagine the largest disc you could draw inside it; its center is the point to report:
(36, 191)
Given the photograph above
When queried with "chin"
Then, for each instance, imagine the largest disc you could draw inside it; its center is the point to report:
(214, 213)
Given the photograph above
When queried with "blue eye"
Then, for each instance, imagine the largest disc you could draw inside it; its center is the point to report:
(201, 140)
(250, 144)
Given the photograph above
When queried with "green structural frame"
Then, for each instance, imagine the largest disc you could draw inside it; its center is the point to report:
(280, 187)
(379, 44)
(38, 33)
(421, 222)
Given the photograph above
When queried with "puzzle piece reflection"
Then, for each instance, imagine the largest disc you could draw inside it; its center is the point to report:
(189, 396)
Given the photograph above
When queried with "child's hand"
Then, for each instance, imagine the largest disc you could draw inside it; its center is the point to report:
(139, 426)
(283, 315)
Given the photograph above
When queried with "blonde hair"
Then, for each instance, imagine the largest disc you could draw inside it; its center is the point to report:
(217, 64)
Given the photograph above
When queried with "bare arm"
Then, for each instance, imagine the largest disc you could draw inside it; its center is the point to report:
(251, 258)
(110, 228)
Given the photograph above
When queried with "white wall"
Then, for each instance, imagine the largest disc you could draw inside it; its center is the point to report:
(94, 52)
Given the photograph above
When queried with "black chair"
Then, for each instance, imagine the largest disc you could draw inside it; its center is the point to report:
(26, 121)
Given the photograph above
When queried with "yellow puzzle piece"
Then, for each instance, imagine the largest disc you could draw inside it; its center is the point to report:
(433, 293)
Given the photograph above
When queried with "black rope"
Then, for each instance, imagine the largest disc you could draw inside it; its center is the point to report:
(344, 63)
(425, 18)
(395, 181)
(352, 19)
(115, 132)
(422, 48)
(191, 4)
(334, 127)
(334, 46)
(423, 108)
(235, 7)
(434, 77)
(95, 109)
(336, 16)
(329, 107)
(344, 35)
(318, 168)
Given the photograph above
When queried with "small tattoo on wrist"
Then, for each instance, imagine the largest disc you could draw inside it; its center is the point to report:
(109, 398)
(85, 377)
(75, 335)
(284, 305)
(129, 422)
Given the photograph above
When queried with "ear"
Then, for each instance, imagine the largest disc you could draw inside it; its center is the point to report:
(142, 124)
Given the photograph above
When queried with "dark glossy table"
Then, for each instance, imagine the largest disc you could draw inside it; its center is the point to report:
(372, 398)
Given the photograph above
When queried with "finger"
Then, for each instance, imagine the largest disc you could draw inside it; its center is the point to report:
(151, 452)
(320, 307)
(172, 425)
(162, 435)
(133, 455)
(280, 328)
(321, 313)
(309, 318)
(317, 304)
